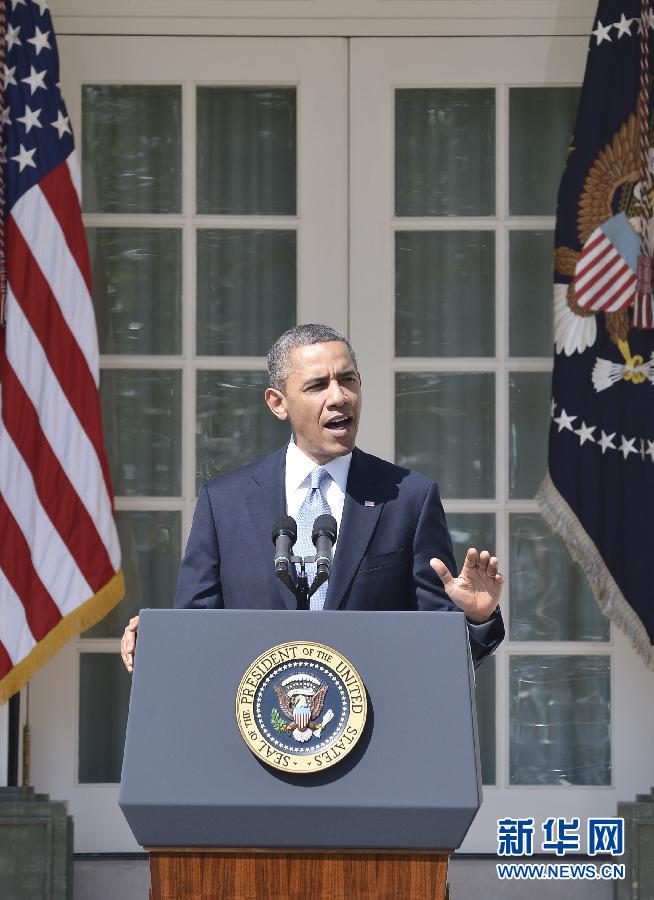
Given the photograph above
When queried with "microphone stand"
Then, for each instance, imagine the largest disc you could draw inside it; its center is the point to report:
(301, 588)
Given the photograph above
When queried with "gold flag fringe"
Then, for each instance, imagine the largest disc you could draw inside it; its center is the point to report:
(85, 616)
(610, 598)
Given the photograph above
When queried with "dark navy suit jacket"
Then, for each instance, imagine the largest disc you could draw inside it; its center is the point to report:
(392, 525)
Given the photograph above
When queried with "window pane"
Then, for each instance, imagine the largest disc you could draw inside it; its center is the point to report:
(234, 425)
(246, 151)
(137, 289)
(471, 530)
(541, 121)
(444, 280)
(141, 410)
(529, 419)
(549, 595)
(246, 285)
(131, 148)
(485, 700)
(560, 720)
(444, 152)
(530, 293)
(103, 702)
(150, 543)
(445, 428)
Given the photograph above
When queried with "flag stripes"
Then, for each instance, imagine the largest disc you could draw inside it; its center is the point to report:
(46, 319)
(59, 424)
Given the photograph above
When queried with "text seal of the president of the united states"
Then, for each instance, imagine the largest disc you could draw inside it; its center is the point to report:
(301, 707)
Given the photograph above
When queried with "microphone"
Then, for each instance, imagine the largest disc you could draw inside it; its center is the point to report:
(284, 535)
(323, 536)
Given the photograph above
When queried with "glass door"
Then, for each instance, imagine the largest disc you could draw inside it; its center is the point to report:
(457, 147)
(214, 185)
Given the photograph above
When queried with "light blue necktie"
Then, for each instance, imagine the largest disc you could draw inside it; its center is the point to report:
(313, 505)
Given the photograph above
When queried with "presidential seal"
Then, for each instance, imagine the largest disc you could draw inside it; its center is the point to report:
(301, 707)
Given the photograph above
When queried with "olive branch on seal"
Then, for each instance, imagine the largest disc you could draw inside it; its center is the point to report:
(277, 721)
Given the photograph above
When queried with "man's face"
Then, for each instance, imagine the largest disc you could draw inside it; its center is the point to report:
(322, 400)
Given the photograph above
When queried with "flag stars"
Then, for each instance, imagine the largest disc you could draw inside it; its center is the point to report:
(40, 41)
(42, 5)
(606, 442)
(35, 79)
(623, 26)
(627, 446)
(602, 32)
(30, 119)
(6, 112)
(565, 421)
(9, 75)
(61, 124)
(25, 158)
(650, 450)
(15, 3)
(12, 36)
(585, 434)
(553, 408)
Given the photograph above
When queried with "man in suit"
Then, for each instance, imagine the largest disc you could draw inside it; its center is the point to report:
(393, 550)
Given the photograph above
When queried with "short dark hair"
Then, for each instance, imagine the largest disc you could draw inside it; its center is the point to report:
(279, 363)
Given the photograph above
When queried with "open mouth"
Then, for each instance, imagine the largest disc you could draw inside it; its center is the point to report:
(339, 425)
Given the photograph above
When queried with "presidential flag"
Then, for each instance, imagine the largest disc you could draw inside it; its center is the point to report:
(599, 490)
(59, 551)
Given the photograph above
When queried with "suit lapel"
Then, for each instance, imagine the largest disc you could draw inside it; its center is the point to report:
(266, 501)
(357, 524)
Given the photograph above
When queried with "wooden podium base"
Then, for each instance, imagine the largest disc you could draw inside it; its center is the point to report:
(208, 873)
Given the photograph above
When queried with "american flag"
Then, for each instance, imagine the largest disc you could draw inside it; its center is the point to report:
(59, 550)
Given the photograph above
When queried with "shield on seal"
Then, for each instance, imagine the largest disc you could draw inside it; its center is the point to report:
(302, 714)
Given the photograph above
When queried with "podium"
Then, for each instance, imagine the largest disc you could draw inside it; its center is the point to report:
(220, 823)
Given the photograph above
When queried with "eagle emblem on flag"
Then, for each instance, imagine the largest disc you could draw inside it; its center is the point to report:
(603, 276)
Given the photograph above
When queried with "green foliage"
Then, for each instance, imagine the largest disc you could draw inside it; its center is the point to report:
(276, 720)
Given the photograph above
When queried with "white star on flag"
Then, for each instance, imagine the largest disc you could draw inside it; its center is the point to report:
(9, 75)
(40, 41)
(602, 32)
(585, 434)
(24, 158)
(565, 421)
(623, 26)
(35, 79)
(6, 112)
(606, 442)
(650, 450)
(42, 5)
(627, 447)
(15, 3)
(61, 124)
(30, 119)
(553, 408)
(12, 36)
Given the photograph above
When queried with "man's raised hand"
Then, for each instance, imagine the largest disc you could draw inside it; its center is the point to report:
(128, 643)
(477, 589)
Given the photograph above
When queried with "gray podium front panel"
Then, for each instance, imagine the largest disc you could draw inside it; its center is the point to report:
(412, 781)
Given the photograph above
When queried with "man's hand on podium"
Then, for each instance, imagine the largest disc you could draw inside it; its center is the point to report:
(128, 643)
(477, 589)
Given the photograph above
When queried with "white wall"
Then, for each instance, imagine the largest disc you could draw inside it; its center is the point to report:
(325, 17)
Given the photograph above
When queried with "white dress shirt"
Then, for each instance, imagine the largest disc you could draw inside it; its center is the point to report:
(298, 470)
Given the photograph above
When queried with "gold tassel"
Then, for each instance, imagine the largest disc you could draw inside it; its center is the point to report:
(85, 616)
